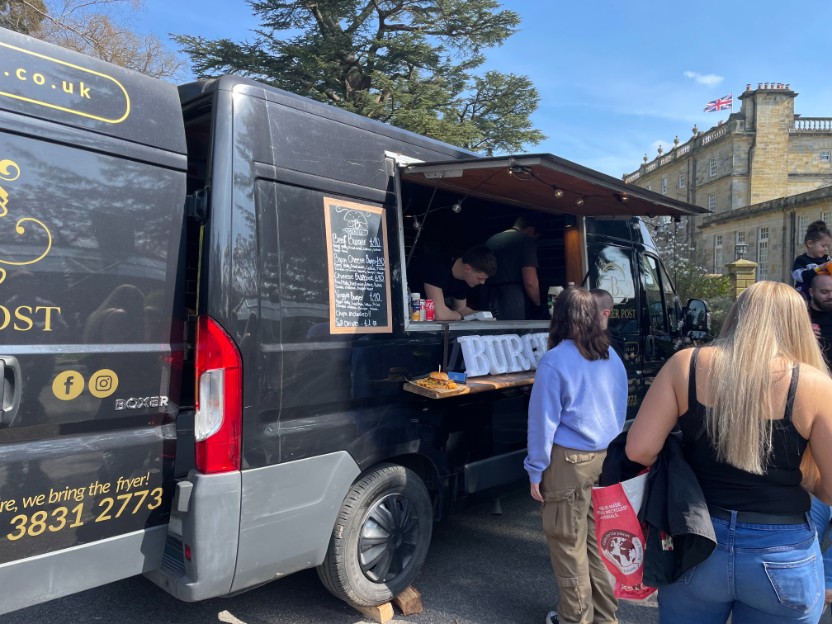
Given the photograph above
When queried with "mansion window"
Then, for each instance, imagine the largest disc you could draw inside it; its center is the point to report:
(826, 156)
(711, 201)
(664, 185)
(718, 261)
(762, 254)
(800, 232)
(712, 167)
(683, 179)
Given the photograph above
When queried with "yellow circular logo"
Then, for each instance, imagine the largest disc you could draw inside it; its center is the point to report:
(103, 383)
(68, 385)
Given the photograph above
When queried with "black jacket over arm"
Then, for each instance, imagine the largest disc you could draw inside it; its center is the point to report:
(680, 534)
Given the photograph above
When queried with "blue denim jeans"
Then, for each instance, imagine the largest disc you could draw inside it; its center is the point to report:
(758, 574)
(821, 516)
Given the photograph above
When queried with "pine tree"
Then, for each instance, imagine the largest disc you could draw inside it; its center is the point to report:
(410, 63)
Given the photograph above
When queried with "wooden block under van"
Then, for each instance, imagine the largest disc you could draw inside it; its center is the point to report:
(409, 601)
(381, 613)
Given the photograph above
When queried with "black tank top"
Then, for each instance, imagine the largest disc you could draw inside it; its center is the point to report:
(778, 491)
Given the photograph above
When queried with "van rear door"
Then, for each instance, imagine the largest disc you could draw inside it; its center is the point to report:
(92, 187)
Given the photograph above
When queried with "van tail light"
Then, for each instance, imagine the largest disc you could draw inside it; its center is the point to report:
(219, 399)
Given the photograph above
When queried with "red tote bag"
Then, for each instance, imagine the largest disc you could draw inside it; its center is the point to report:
(620, 537)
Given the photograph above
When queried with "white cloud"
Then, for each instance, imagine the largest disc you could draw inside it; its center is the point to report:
(709, 80)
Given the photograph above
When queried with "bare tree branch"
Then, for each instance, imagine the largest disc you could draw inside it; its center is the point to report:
(92, 27)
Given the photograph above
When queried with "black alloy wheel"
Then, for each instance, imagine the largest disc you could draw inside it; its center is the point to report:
(381, 537)
(388, 538)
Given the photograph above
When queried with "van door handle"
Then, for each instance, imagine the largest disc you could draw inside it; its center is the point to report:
(2, 385)
(10, 389)
(650, 347)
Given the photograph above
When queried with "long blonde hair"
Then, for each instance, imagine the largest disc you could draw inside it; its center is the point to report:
(769, 320)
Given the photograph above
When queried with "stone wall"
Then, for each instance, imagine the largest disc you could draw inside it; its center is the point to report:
(769, 158)
(780, 219)
(806, 168)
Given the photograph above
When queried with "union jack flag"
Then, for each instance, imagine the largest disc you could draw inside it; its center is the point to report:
(720, 103)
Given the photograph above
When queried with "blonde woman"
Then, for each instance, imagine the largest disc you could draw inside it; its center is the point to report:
(755, 411)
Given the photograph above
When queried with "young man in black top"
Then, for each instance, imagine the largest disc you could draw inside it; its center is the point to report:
(451, 280)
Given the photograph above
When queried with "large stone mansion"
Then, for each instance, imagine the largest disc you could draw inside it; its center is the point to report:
(765, 174)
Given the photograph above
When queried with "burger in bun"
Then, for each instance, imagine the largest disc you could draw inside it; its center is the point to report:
(436, 380)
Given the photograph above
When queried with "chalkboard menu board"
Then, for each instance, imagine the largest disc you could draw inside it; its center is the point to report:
(359, 274)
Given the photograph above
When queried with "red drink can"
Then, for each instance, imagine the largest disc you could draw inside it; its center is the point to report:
(430, 310)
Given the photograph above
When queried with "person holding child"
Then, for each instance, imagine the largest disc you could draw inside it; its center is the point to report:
(817, 240)
(820, 313)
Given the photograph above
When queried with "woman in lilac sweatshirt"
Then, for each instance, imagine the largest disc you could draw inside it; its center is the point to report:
(578, 405)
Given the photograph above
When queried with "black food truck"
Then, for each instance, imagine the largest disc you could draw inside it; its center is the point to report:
(206, 337)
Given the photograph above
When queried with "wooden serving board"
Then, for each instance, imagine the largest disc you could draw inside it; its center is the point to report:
(499, 382)
(475, 385)
(436, 393)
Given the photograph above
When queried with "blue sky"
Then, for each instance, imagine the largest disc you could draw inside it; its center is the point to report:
(617, 79)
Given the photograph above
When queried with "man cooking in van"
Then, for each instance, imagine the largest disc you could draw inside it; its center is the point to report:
(514, 293)
(445, 281)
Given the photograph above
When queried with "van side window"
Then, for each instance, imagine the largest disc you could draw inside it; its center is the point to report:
(293, 279)
(671, 301)
(612, 270)
(654, 296)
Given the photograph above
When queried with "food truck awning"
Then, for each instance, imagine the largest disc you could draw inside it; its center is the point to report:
(546, 183)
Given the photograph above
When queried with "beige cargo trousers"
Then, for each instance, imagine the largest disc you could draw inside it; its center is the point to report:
(586, 590)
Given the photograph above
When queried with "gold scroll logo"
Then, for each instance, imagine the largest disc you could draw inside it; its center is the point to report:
(9, 172)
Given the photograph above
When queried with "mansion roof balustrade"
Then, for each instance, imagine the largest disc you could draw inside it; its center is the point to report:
(811, 124)
(697, 141)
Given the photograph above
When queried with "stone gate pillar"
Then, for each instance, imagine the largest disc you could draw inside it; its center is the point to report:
(742, 273)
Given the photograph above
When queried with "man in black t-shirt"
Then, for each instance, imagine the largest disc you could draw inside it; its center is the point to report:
(448, 281)
(514, 291)
(820, 311)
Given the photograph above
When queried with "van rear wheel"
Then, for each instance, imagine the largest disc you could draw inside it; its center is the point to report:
(381, 537)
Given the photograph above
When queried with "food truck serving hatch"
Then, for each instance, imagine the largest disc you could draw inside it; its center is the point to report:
(546, 183)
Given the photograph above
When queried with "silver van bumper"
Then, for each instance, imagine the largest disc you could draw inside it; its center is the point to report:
(246, 528)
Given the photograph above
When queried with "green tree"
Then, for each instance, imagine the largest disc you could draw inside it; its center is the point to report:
(410, 63)
(692, 280)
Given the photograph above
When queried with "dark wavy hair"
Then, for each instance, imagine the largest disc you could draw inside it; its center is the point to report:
(576, 317)
(482, 259)
(816, 231)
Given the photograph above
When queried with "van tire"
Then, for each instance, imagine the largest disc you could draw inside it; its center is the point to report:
(388, 506)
